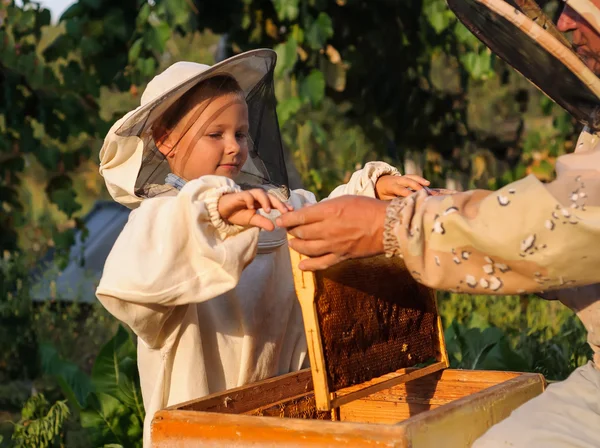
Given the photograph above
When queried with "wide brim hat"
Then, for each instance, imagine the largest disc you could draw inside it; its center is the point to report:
(527, 40)
(248, 69)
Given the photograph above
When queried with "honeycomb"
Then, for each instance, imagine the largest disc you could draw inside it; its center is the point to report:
(374, 319)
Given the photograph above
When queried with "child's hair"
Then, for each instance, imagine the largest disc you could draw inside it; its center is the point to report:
(210, 88)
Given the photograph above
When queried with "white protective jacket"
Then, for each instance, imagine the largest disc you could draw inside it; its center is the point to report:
(213, 305)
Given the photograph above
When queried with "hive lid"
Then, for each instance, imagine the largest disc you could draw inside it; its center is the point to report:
(369, 326)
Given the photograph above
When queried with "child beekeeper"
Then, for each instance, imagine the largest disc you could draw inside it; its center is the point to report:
(199, 272)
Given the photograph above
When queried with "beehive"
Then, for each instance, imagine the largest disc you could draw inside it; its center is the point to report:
(378, 376)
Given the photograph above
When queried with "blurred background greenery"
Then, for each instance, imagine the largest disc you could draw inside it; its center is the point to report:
(356, 81)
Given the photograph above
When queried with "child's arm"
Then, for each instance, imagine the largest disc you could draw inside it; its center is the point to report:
(177, 250)
(379, 180)
(375, 180)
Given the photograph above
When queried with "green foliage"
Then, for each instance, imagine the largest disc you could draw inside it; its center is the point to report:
(406, 73)
(515, 333)
(18, 355)
(109, 402)
(41, 424)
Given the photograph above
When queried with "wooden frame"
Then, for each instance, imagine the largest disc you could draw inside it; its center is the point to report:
(450, 408)
(326, 399)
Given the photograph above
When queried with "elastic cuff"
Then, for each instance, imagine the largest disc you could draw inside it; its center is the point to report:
(383, 169)
(212, 206)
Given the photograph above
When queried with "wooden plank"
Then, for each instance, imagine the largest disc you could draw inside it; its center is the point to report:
(441, 387)
(381, 412)
(252, 396)
(483, 376)
(428, 393)
(442, 340)
(182, 429)
(305, 291)
(462, 421)
(349, 394)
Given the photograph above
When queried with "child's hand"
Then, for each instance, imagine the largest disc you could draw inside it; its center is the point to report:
(389, 187)
(240, 208)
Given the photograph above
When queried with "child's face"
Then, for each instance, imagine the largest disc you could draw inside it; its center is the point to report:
(217, 142)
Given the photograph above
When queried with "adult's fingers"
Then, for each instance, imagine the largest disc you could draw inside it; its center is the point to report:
(314, 231)
(306, 215)
(320, 263)
(310, 248)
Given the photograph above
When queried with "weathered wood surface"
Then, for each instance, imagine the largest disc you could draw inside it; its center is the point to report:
(252, 396)
(460, 422)
(305, 291)
(461, 406)
(382, 383)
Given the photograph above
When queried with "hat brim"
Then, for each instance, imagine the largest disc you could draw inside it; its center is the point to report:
(248, 69)
(535, 53)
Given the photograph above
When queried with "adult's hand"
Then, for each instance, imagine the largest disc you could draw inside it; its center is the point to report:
(336, 230)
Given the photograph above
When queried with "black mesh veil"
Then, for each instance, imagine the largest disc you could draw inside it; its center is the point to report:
(187, 99)
(519, 34)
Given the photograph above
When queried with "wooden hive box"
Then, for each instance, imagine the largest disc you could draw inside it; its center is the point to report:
(378, 376)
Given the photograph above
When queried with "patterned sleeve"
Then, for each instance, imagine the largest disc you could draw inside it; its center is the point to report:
(526, 237)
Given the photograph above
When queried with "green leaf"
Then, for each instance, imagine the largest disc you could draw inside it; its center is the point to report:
(143, 15)
(75, 10)
(470, 348)
(96, 28)
(312, 88)
(149, 67)
(319, 31)
(287, 108)
(104, 420)
(116, 26)
(115, 371)
(286, 9)
(49, 157)
(287, 56)
(157, 36)
(26, 20)
(503, 357)
(479, 65)
(93, 4)
(90, 47)
(438, 15)
(297, 33)
(59, 48)
(464, 36)
(73, 27)
(179, 10)
(66, 200)
(134, 51)
(43, 18)
(74, 383)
